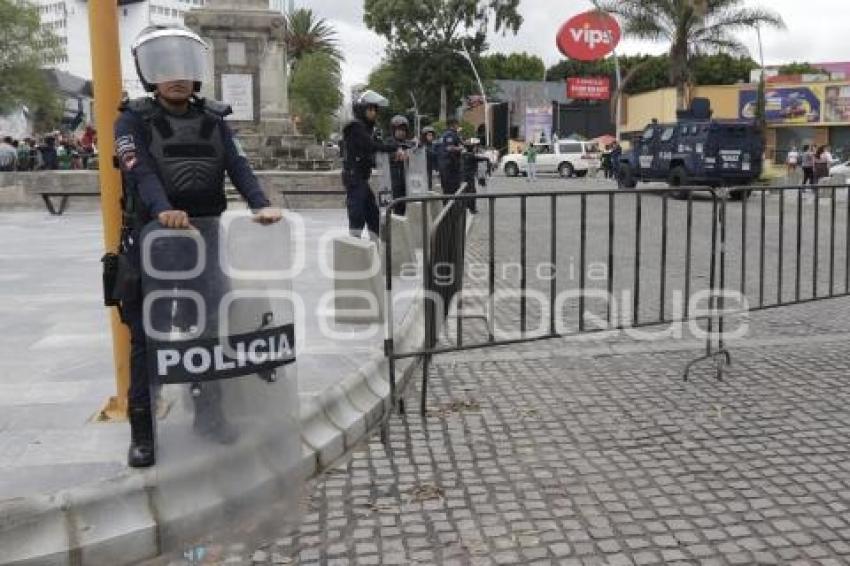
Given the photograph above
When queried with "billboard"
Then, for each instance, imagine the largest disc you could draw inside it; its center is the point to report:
(538, 123)
(589, 88)
(836, 103)
(792, 105)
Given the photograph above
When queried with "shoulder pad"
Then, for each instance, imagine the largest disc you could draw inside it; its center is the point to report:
(144, 106)
(214, 107)
(352, 125)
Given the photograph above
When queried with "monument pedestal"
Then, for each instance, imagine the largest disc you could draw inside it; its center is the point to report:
(248, 69)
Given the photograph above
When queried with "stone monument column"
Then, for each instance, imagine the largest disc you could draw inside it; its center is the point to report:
(248, 70)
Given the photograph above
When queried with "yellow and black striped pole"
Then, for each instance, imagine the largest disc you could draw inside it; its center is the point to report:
(106, 75)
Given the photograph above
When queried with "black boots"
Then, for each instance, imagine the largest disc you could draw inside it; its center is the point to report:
(210, 422)
(141, 453)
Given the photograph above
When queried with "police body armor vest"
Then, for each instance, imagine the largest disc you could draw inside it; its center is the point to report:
(189, 154)
(355, 159)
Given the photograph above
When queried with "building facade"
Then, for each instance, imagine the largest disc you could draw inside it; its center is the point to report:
(68, 19)
(799, 109)
(798, 112)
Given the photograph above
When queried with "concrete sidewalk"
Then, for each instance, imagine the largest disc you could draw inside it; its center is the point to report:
(56, 373)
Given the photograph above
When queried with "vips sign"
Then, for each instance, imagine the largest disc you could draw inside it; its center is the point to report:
(591, 88)
(589, 36)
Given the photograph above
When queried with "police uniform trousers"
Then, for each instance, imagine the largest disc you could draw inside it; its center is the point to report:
(361, 204)
(450, 180)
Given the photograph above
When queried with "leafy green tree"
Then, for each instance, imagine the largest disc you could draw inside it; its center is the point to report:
(654, 71)
(800, 69)
(722, 69)
(391, 78)
(24, 48)
(424, 38)
(691, 27)
(315, 93)
(515, 66)
(306, 34)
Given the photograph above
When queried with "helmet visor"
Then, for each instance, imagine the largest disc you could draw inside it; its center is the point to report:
(172, 58)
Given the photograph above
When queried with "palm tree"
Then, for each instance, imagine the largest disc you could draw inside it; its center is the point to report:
(305, 33)
(692, 27)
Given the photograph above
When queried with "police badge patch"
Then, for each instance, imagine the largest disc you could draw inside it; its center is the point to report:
(125, 146)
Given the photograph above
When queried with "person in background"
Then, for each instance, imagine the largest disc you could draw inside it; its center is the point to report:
(63, 155)
(49, 155)
(427, 140)
(827, 155)
(400, 127)
(808, 165)
(470, 159)
(616, 156)
(8, 154)
(449, 158)
(821, 164)
(531, 158)
(359, 147)
(792, 161)
(607, 163)
(87, 143)
(23, 150)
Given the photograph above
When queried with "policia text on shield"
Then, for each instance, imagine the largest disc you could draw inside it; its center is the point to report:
(174, 149)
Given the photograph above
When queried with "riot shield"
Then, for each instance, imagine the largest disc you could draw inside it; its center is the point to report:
(416, 171)
(382, 180)
(219, 318)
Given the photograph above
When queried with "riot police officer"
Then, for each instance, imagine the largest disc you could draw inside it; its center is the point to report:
(174, 149)
(471, 160)
(428, 139)
(400, 128)
(359, 147)
(449, 158)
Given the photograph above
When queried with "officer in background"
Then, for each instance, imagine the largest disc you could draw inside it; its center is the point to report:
(428, 139)
(174, 149)
(400, 128)
(359, 147)
(449, 158)
(471, 159)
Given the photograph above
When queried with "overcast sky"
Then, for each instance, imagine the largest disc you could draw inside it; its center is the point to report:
(817, 32)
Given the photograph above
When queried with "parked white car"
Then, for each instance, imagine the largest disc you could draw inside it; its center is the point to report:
(568, 158)
(840, 169)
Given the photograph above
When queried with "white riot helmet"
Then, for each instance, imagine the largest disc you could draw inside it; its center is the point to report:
(367, 99)
(170, 53)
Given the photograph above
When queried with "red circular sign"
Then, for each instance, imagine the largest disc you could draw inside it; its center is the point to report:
(589, 36)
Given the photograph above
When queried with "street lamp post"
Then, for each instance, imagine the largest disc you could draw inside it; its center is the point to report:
(468, 57)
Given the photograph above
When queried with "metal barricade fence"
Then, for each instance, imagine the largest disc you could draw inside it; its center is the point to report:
(615, 260)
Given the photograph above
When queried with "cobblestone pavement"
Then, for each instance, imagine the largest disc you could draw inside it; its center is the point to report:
(577, 453)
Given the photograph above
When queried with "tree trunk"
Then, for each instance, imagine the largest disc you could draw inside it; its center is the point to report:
(443, 104)
(679, 73)
(682, 96)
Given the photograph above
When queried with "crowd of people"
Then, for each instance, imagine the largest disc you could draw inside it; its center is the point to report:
(53, 151)
(814, 162)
